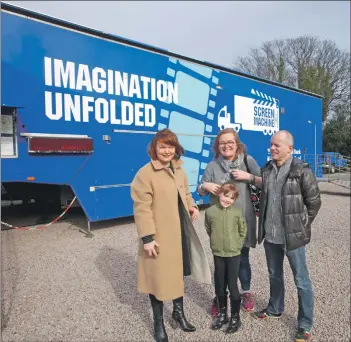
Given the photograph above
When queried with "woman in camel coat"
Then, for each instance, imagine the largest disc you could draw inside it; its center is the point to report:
(169, 246)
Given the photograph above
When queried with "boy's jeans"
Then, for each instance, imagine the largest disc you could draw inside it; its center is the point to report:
(297, 259)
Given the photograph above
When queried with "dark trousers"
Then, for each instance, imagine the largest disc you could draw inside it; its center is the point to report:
(245, 269)
(226, 276)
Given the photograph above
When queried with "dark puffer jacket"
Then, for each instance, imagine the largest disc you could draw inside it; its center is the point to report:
(300, 203)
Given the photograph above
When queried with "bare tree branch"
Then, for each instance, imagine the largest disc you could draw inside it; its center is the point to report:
(305, 62)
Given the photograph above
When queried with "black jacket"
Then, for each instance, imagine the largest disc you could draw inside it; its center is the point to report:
(300, 203)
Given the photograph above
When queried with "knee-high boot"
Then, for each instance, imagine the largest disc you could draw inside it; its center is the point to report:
(160, 334)
(178, 317)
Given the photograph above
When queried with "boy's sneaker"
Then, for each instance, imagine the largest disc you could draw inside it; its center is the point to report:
(214, 307)
(247, 303)
(303, 335)
(264, 314)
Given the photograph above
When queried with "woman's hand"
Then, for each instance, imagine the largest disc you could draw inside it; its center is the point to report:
(213, 188)
(195, 214)
(150, 249)
(241, 175)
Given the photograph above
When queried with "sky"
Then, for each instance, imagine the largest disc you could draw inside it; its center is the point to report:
(212, 31)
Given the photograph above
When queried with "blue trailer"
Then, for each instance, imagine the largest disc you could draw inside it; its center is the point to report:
(334, 158)
(80, 106)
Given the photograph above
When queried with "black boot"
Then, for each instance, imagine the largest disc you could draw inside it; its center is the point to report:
(178, 318)
(160, 334)
(234, 322)
(222, 317)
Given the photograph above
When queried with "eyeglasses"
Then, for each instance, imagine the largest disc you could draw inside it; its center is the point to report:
(229, 143)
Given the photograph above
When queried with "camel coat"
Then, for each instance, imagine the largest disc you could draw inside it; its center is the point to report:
(154, 191)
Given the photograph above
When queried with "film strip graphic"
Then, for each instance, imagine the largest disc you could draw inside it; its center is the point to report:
(194, 116)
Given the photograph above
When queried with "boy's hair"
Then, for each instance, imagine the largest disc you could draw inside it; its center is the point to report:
(226, 188)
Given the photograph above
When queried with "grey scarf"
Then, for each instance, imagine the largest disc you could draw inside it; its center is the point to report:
(229, 166)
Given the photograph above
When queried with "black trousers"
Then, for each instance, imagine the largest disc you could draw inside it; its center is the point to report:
(226, 275)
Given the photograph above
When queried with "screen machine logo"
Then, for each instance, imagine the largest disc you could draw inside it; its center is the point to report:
(257, 113)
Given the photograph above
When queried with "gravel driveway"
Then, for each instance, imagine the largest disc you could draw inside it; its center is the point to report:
(58, 285)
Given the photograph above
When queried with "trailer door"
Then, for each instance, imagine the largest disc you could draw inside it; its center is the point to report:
(9, 144)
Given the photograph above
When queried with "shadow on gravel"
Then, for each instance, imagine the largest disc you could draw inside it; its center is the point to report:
(119, 269)
(335, 193)
(288, 320)
(9, 277)
(79, 220)
(198, 293)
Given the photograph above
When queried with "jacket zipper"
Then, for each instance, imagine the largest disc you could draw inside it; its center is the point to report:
(281, 209)
(224, 230)
(265, 202)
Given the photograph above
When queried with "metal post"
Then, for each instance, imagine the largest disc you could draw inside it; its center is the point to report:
(315, 147)
(315, 150)
(89, 234)
(329, 168)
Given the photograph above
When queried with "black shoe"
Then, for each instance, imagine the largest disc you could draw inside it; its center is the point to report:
(160, 334)
(222, 317)
(178, 317)
(235, 322)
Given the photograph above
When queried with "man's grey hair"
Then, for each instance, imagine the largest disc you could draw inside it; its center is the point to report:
(288, 137)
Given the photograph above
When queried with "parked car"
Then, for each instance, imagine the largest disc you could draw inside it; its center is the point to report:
(328, 168)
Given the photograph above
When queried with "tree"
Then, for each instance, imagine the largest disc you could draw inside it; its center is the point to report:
(337, 131)
(316, 80)
(270, 62)
(307, 63)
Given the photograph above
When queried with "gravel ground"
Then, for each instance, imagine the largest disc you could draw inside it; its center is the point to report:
(58, 285)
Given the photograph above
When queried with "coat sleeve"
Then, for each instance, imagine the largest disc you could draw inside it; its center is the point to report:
(310, 193)
(207, 177)
(189, 197)
(254, 168)
(242, 228)
(142, 195)
(207, 224)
